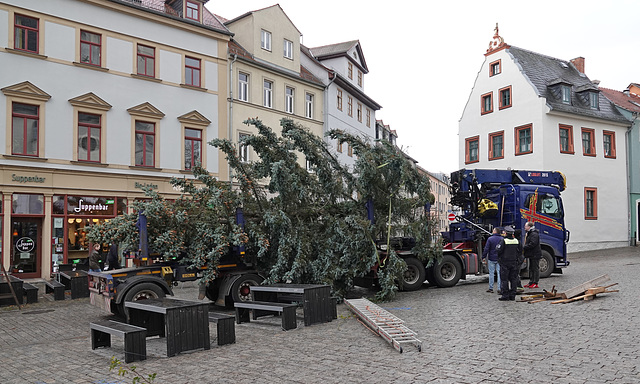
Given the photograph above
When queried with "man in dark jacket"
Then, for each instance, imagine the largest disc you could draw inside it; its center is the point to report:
(112, 257)
(491, 254)
(94, 258)
(533, 252)
(509, 258)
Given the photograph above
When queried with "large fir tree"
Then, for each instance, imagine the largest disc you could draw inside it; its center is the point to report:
(302, 225)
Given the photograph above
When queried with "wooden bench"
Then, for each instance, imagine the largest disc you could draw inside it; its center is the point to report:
(31, 292)
(263, 308)
(56, 287)
(135, 338)
(226, 327)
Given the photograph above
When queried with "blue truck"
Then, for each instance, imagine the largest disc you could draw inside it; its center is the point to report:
(484, 199)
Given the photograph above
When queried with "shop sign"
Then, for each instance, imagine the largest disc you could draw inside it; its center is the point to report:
(147, 185)
(84, 205)
(27, 179)
(25, 244)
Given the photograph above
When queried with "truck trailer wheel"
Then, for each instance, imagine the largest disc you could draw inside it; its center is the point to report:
(240, 290)
(141, 291)
(447, 273)
(414, 276)
(546, 264)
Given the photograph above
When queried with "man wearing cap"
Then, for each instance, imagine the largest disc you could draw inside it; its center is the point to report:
(509, 258)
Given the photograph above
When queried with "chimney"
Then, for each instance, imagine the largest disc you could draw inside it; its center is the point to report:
(578, 62)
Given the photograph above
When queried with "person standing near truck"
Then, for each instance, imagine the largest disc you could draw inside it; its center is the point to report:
(94, 258)
(491, 254)
(509, 258)
(533, 252)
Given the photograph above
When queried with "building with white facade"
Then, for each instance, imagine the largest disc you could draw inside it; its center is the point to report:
(628, 103)
(342, 68)
(534, 112)
(100, 98)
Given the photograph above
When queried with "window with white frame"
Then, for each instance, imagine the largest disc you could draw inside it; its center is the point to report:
(288, 49)
(288, 99)
(566, 94)
(243, 86)
(308, 110)
(243, 149)
(265, 40)
(267, 94)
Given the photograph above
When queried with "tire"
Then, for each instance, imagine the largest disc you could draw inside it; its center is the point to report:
(447, 272)
(141, 291)
(414, 276)
(212, 290)
(547, 264)
(240, 288)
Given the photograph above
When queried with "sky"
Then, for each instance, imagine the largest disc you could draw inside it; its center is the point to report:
(424, 56)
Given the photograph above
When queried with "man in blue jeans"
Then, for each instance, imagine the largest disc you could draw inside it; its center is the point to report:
(491, 254)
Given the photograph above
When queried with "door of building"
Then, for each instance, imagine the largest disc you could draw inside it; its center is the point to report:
(26, 246)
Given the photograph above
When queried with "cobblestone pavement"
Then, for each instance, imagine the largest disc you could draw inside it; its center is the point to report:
(468, 337)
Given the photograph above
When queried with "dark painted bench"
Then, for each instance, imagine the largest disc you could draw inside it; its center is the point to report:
(226, 327)
(135, 338)
(31, 292)
(264, 308)
(56, 287)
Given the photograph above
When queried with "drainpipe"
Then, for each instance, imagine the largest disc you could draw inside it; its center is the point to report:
(326, 103)
(230, 118)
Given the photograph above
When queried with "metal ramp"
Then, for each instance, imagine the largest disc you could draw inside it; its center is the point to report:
(386, 325)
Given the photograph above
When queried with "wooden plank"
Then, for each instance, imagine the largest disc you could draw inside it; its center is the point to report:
(575, 291)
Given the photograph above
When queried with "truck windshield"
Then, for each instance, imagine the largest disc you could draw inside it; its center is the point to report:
(546, 204)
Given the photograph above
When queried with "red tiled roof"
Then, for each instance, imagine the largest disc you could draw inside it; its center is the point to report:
(629, 102)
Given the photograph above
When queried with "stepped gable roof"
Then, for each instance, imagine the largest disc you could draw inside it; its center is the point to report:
(623, 100)
(544, 71)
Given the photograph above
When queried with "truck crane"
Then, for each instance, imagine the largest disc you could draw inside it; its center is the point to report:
(488, 198)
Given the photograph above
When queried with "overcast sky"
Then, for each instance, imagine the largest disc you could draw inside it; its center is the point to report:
(424, 56)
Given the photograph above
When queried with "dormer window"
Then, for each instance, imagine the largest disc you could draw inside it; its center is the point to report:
(566, 94)
(593, 100)
(193, 10)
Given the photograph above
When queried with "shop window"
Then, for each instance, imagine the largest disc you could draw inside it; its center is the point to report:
(192, 148)
(90, 48)
(25, 34)
(27, 204)
(24, 129)
(192, 71)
